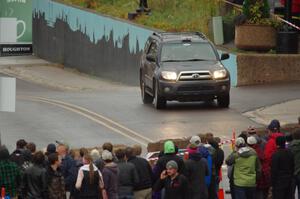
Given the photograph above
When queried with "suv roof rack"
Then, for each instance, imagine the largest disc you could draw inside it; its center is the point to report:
(166, 34)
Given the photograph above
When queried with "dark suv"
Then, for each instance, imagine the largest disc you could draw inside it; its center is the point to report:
(183, 67)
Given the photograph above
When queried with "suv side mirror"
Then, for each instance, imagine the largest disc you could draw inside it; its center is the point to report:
(224, 56)
(151, 58)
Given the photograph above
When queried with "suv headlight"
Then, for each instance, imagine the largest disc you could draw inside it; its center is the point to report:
(168, 75)
(220, 74)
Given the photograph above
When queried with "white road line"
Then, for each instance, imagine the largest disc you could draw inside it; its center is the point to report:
(91, 115)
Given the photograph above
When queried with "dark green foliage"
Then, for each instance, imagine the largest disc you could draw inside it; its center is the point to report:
(256, 11)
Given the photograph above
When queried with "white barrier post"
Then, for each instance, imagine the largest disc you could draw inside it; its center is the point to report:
(7, 94)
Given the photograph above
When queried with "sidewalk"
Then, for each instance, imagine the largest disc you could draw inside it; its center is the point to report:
(286, 112)
(22, 61)
(39, 71)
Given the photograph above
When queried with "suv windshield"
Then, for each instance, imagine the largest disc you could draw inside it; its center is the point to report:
(187, 52)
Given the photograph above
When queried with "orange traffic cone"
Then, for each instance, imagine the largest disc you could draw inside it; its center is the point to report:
(221, 190)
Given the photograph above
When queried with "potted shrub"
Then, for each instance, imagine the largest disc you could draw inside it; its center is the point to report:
(254, 29)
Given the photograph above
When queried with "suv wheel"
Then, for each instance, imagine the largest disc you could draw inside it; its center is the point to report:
(159, 101)
(147, 99)
(224, 100)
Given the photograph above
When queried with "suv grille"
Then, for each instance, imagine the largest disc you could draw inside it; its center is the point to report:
(195, 76)
(195, 88)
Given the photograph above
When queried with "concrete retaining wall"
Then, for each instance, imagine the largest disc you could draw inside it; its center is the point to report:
(89, 42)
(267, 68)
(92, 43)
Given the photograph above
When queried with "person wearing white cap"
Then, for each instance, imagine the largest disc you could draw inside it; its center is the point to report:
(246, 170)
(110, 175)
(195, 142)
(260, 183)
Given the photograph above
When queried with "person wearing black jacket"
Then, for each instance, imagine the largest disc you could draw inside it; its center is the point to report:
(143, 189)
(67, 167)
(168, 154)
(282, 169)
(55, 179)
(219, 159)
(128, 176)
(17, 156)
(196, 169)
(175, 184)
(34, 182)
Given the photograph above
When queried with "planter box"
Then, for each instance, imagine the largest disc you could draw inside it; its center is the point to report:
(255, 37)
(267, 68)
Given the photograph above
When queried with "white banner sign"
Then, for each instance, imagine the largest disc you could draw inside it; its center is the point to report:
(7, 94)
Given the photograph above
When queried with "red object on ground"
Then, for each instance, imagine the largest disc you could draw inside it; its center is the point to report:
(2, 192)
(221, 190)
(295, 6)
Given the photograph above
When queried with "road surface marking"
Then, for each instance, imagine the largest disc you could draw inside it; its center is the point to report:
(99, 119)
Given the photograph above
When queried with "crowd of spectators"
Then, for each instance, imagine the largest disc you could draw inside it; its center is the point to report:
(260, 166)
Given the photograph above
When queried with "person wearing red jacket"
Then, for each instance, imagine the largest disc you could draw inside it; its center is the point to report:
(270, 149)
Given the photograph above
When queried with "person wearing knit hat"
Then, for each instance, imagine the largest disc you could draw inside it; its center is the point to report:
(51, 148)
(251, 140)
(274, 126)
(107, 156)
(175, 184)
(195, 142)
(240, 142)
(169, 147)
(282, 171)
(270, 149)
(169, 154)
(246, 169)
(172, 165)
(253, 143)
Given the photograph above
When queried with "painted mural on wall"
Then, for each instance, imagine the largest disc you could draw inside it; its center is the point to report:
(92, 43)
(89, 42)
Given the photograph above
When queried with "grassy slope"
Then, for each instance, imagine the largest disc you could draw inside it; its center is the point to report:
(168, 15)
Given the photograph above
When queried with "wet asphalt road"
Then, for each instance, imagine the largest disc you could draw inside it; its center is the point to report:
(44, 123)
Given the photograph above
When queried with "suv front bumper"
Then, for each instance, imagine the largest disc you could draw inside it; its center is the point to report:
(193, 90)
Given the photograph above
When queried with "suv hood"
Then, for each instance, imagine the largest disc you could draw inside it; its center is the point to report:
(192, 66)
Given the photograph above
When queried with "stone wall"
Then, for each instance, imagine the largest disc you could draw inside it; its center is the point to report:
(267, 68)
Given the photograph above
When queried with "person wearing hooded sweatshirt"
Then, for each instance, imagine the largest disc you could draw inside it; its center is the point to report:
(270, 148)
(295, 148)
(246, 170)
(110, 175)
(282, 169)
(89, 180)
(169, 154)
(196, 169)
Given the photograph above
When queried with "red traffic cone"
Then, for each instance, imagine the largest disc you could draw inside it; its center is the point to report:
(2, 192)
(221, 190)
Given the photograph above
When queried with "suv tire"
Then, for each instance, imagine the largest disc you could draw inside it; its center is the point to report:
(159, 102)
(147, 99)
(224, 100)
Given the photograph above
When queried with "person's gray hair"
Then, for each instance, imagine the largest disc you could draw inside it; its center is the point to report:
(95, 154)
